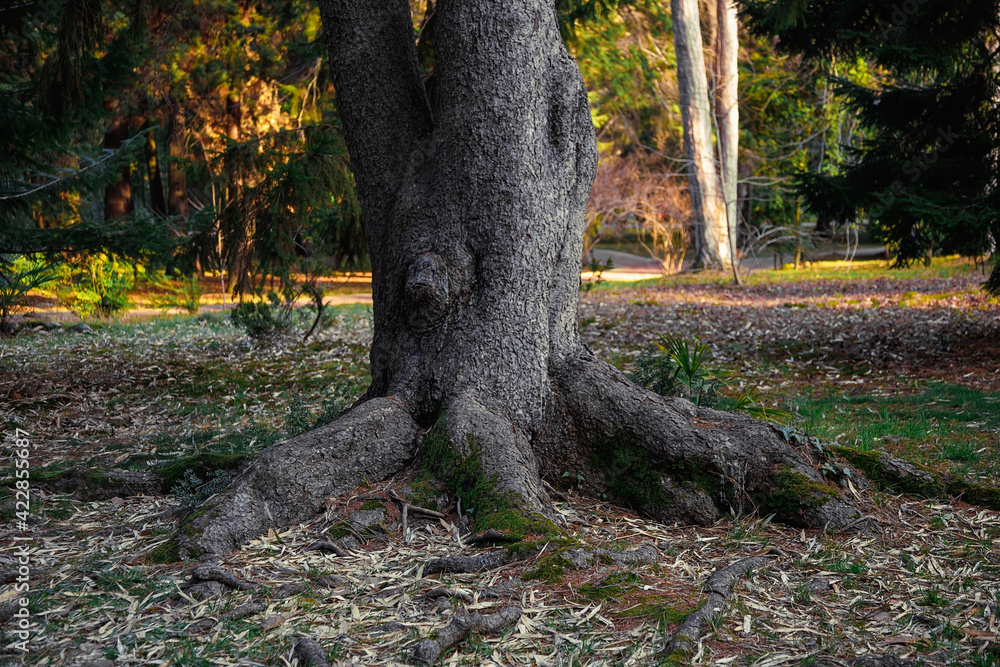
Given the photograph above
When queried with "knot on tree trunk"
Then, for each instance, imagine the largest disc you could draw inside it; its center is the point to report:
(427, 289)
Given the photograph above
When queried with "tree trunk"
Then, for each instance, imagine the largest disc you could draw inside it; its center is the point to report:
(156, 199)
(706, 191)
(237, 242)
(177, 197)
(475, 222)
(117, 195)
(727, 114)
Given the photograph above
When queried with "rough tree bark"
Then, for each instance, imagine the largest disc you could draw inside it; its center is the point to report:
(707, 207)
(475, 218)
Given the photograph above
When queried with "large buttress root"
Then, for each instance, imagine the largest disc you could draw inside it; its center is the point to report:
(489, 464)
(674, 461)
(290, 481)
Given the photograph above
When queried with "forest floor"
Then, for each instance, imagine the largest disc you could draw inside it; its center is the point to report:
(908, 361)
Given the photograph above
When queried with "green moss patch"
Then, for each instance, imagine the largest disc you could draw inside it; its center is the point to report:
(464, 477)
(630, 479)
(653, 608)
(550, 569)
(613, 586)
(927, 483)
(795, 494)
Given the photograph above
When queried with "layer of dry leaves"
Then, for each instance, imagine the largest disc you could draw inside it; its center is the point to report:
(923, 582)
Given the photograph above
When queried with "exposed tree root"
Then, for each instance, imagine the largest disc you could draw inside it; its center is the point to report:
(902, 476)
(310, 653)
(430, 650)
(329, 547)
(481, 563)
(89, 484)
(209, 580)
(243, 611)
(674, 461)
(718, 589)
(290, 481)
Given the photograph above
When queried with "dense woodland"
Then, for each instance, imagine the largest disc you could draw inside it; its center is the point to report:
(214, 142)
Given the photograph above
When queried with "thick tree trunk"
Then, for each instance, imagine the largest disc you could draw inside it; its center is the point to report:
(706, 191)
(156, 199)
(475, 223)
(117, 195)
(177, 197)
(727, 113)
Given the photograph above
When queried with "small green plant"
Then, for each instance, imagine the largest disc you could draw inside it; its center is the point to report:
(597, 268)
(846, 566)
(18, 276)
(100, 285)
(932, 597)
(191, 491)
(676, 367)
(183, 292)
(262, 320)
(802, 594)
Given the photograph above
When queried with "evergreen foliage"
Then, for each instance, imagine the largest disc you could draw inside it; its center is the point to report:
(925, 174)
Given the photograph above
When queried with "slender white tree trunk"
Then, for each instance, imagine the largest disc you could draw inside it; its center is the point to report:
(707, 203)
(727, 112)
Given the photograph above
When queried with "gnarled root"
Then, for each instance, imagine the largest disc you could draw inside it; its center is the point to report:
(290, 481)
(485, 624)
(674, 461)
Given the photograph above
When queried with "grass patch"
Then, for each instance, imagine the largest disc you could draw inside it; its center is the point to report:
(940, 424)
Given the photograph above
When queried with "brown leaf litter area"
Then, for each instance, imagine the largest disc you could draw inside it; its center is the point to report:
(921, 584)
(940, 328)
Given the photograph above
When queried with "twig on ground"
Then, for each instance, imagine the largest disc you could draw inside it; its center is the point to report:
(430, 650)
(718, 588)
(331, 547)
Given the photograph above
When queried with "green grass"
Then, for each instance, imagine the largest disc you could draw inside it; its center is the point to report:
(948, 426)
(941, 267)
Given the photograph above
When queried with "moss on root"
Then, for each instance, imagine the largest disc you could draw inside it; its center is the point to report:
(551, 569)
(613, 586)
(463, 476)
(891, 473)
(652, 607)
(165, 553)
(794, 494)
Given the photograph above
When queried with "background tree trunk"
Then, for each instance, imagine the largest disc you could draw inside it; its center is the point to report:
(727, 113)
(177, 197)
(156, 199)
(117, 195)
(706, 190)
(475, 218)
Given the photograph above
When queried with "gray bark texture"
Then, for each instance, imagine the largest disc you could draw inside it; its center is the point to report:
(474, 214)
(707, 204)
